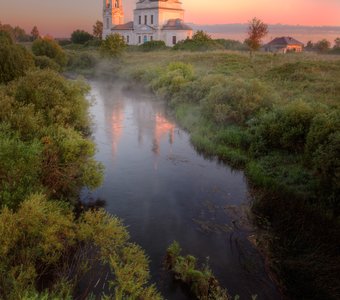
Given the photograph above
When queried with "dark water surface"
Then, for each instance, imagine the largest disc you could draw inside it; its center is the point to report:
(165, 191)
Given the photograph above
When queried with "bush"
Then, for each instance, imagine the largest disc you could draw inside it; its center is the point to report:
(57, 100)
(43, 240)
(232, 44)
(82, 60)
(200, 42)
(236, 100)
(44, 62)
(172, 79)
(286, 127)
(322, 148)
(80, 37)
(152, 46)
(15, 60)
(50, 48)
(192, 45)
(5, 38)
(201, 281)
(20, 167)
(113, 46)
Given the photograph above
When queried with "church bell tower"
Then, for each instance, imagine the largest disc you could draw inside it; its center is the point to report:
(113, 14)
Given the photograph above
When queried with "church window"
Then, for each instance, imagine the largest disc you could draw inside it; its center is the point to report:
(145, 39)
(174, 40)
(139, 39)
(140, 20)
(151, 38)
(145, 19)
(127, 39)
(151, 19)
(107, 23)
(116, 3)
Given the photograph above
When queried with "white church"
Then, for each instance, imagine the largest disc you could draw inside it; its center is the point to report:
(152, 20)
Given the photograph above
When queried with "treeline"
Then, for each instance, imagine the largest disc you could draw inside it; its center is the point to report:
(46, 158)
(282, 125)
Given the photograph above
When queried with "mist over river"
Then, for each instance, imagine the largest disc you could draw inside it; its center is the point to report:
(164, 191)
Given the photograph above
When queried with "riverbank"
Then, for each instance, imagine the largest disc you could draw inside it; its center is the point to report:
(276, 117)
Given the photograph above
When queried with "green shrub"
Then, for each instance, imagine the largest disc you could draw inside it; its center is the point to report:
(152, 46)
(82, 60)
(59, 101)
(44, 62)
(50, 48)
(236, 100)
(201, 281)
(322, 149)
(15, 60)
(232, 44)
(20, 167)
(200, 41)
(286, 127)
(5, 38)
(193, 45)
(172, 79)
(113, 46)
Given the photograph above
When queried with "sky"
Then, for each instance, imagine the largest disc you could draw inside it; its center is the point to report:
(60, 17)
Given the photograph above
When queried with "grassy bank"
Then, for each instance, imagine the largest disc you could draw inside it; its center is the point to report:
(278, 118)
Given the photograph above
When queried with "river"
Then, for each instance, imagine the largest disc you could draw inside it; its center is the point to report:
(164, 191)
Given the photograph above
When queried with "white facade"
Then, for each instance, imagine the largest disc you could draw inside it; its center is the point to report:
(152, 20)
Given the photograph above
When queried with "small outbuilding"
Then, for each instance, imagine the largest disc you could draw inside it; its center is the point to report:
(283, 45)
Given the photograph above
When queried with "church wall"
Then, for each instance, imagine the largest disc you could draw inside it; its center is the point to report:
(148, 13)
(180, 36)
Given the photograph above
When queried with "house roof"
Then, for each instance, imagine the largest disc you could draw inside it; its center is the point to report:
(176, 24)
(284, 41)
(126, 26)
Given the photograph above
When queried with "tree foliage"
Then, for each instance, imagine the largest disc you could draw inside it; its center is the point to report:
(257, 30)
(15, 60)
(35, 33)
(98, 30)
(51, 122)
(80, 37)
(200, 41)
(17, 33)
(113, 46)
(323, 45)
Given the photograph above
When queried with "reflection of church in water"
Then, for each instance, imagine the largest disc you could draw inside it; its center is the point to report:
(152, 20)
(151, 127)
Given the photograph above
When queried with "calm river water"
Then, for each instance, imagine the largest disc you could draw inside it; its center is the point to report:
(164, 191)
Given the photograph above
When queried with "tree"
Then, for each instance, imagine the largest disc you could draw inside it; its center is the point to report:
(80, 37)
(323, 46)
(201, 36)
(98, 30)
(337, 43)
(113, 46)
(257, 30)
(310, 46)
(35, 33)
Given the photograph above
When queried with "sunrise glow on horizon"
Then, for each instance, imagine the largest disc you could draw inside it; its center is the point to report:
(60, 18)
